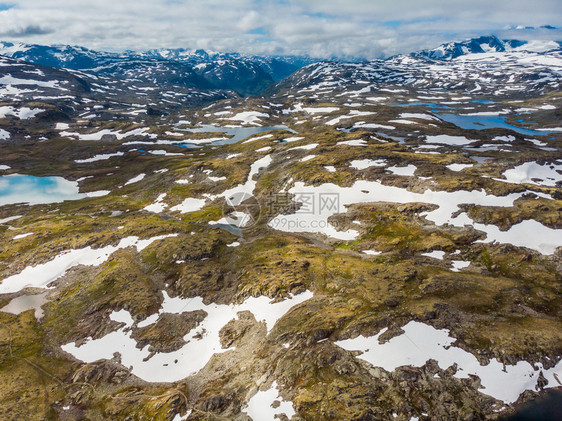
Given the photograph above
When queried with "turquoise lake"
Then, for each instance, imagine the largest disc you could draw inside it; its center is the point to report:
(35, 190)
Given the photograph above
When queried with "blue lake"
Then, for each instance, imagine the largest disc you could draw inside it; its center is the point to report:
(237, 133)
(230, 228)
(480, 122)
(35, 190)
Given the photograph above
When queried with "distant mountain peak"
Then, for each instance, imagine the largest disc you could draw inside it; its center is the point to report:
(181, 66)
(533, 28)
(485, 44)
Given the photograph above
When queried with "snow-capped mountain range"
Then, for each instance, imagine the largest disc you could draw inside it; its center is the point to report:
(486, 44)
(246, 75)
(194, 68)
(493, 74)
(487, 65)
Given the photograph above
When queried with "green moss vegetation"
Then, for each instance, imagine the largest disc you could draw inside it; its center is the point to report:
(505, 304)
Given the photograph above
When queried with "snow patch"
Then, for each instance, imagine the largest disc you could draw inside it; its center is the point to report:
(42, 275)
(202, 342)
(261, 405)
(421, 342)
(361, 164)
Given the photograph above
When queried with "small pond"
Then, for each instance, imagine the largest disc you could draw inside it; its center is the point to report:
(546, 407)
(35, 190)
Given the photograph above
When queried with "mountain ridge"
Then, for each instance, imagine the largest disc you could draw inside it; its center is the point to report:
(244, 74)
(485, 44)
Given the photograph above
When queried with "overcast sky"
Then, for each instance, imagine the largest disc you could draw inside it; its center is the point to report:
(320, 28)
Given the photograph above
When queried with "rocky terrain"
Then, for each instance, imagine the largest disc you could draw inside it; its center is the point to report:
(361, 241)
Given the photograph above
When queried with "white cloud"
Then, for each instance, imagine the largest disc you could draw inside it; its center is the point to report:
(316, 27)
